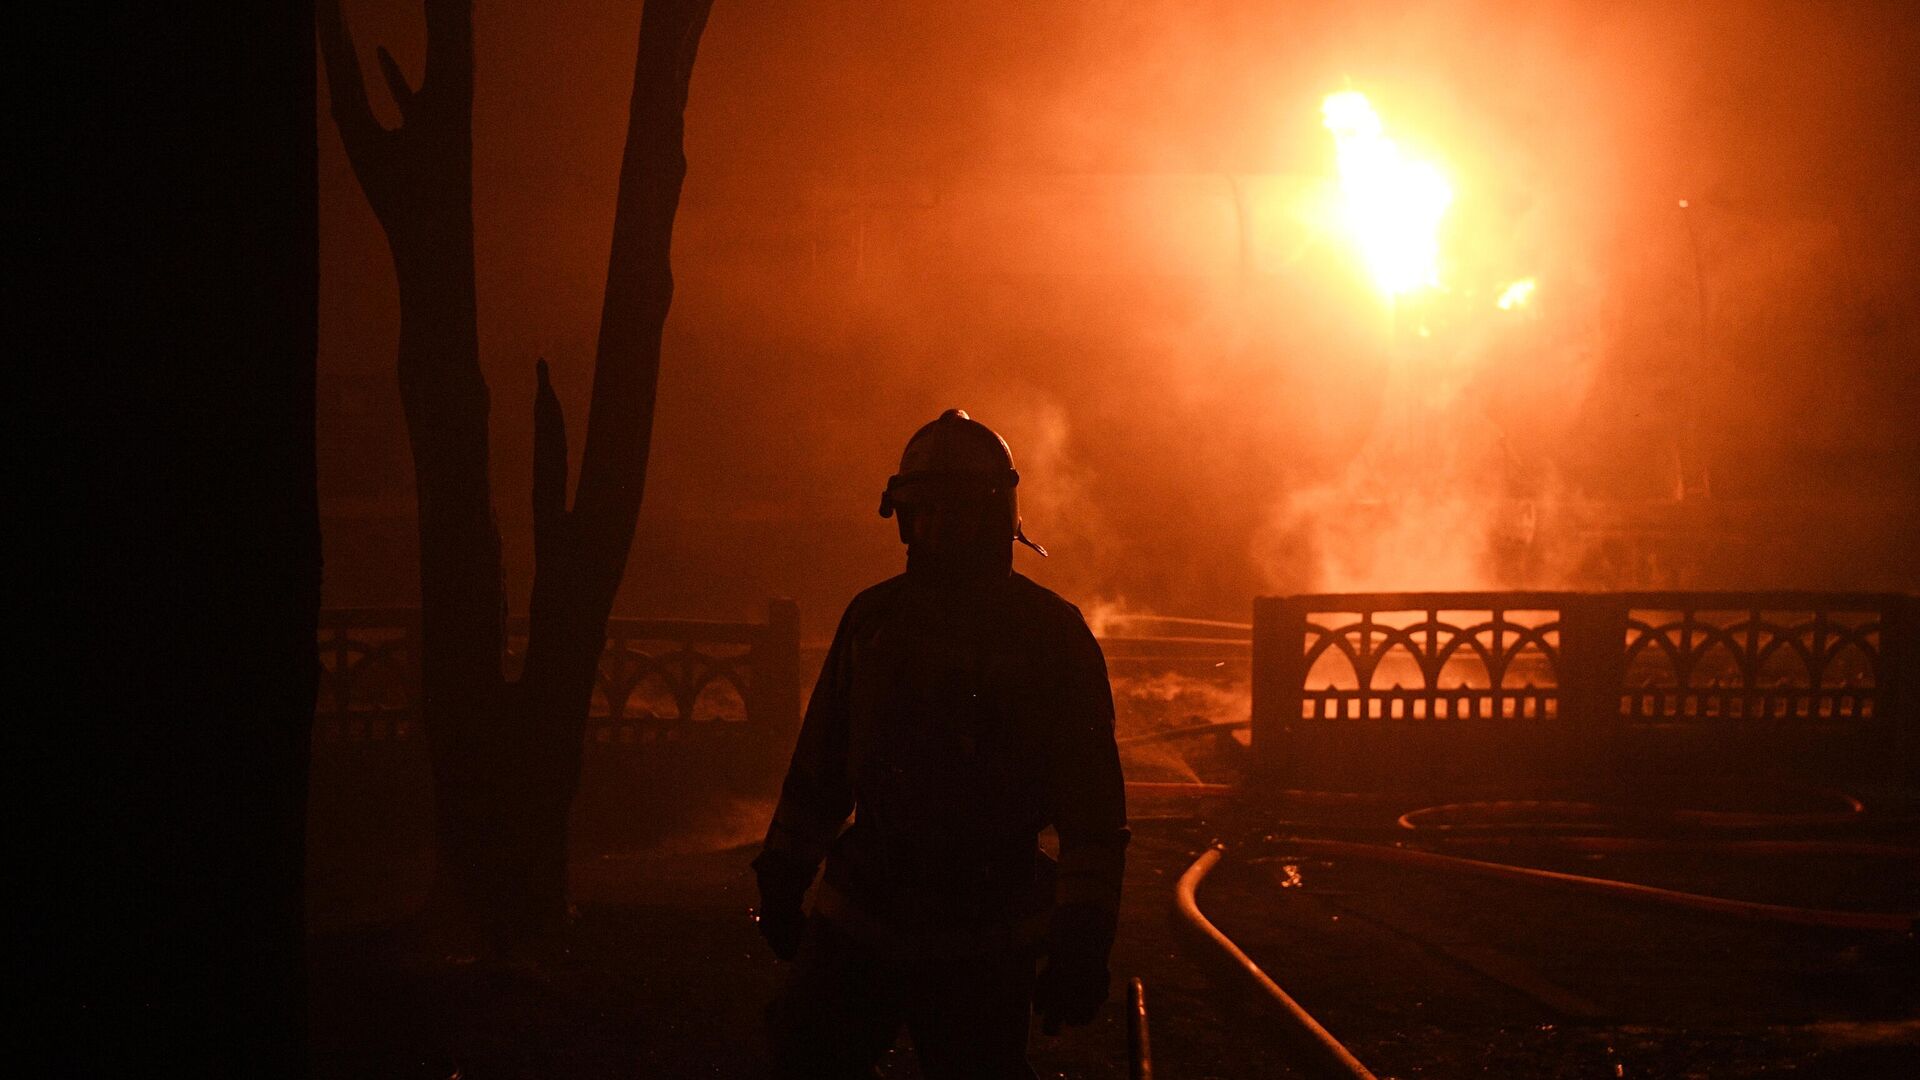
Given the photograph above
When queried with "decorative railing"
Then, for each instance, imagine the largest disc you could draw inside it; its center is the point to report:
(660, 680)
(1754, 663)
(1341, 679)
(369, 675)
(684, 715)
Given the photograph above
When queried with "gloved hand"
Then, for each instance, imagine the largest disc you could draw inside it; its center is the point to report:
(780, 916)
(1074, 980)
(1070, 991)
(781, 924)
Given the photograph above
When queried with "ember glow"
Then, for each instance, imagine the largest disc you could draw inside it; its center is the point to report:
(1390, 205)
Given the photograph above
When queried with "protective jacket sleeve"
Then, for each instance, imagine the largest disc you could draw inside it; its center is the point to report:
(817, 795)
(1091, 808)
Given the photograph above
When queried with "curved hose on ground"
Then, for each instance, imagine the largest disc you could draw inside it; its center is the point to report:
(1589, 815)
(1196, 787)
(1187, 732)
(1899, 922)
(1178, 787)
(1328, 1058)
(1632, 844)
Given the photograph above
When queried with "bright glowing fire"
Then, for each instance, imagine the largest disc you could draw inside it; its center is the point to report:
(1517, 294)
(1391, 205)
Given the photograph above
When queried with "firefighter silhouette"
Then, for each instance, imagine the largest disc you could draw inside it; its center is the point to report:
(962, 709)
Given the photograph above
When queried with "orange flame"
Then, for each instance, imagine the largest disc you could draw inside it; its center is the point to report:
(1391, 205)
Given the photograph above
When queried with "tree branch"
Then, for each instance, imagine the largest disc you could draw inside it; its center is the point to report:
(418, 178)
(347, 91)
(396, 83)
(549, 474)
(419, 175)
(639, 291)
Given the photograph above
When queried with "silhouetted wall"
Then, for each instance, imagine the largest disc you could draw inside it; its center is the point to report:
(168, 245)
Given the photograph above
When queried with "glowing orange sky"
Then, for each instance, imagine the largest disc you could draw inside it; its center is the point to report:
(1059, 217)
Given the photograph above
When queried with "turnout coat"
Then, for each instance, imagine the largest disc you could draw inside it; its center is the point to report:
(954, 725)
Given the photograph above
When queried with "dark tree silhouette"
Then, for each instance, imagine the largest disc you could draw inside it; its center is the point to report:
(506, 754)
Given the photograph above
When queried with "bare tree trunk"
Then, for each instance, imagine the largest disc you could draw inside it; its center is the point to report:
(581, 555)
(507, 757)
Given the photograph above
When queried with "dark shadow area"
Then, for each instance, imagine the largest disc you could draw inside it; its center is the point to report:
(162, 265)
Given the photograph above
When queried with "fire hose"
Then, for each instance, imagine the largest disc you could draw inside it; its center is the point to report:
(1587, 816)
(1893, 921)
(1609, 845)
(1900, 921)
(1178, 787)
(1327, 1057)
(1577, 815)
(1187, 732)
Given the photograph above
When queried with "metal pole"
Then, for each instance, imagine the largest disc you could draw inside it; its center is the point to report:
(1139, 1051)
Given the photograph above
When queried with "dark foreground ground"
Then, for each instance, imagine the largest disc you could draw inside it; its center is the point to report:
(1423, 975)
(662, 975)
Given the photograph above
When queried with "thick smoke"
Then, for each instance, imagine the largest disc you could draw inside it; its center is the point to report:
(1095, 227)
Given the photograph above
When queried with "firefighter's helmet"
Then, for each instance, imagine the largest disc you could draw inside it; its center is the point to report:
(958, 457)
